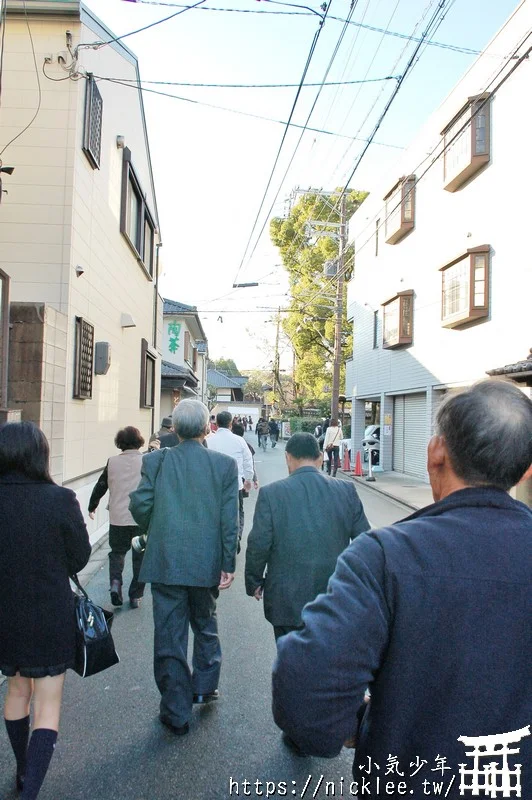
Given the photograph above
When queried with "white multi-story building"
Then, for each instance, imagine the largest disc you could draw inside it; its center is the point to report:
(79, 237)
(442, 282)
(185, 354)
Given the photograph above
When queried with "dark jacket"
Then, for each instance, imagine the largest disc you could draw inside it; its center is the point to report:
(43, 540)
(434, 615)
(187, 502)
(301, 525)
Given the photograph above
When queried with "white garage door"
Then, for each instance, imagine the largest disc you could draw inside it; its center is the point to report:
(398, 460)
(410, 435)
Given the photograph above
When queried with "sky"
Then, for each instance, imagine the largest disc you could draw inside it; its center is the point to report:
(212, 166)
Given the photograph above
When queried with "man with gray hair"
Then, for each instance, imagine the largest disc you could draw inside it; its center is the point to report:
(433, 615)
(187, 505)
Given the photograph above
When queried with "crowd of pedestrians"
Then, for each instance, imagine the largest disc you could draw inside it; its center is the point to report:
(394, 641)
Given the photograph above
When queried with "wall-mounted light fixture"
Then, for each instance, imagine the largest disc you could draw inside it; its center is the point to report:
(79, 270)
(120, 142)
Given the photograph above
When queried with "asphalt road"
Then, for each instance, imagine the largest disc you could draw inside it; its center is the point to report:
(112, 746)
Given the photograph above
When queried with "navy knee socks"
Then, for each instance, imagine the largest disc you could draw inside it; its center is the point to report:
(40, 751)
(18, 731)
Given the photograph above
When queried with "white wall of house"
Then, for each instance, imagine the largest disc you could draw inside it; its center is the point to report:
(490, 209)
(60, 213)
(173, 349)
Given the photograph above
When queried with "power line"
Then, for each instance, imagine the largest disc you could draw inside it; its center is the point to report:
(257, 85)
(434, 159)
(329, 66)
(296, 247)
(285, 133)
(32, 120)
(433, 23)
(96, 45)
(372, 28)
(223, 108)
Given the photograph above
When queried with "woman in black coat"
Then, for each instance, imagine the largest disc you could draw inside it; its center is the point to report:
(43, 540)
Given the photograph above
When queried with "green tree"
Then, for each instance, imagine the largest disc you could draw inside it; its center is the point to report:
(225, 365)
(309, 324)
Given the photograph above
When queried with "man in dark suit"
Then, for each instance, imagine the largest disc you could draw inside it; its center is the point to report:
(301, 525)
(187, 504)
(433, 614)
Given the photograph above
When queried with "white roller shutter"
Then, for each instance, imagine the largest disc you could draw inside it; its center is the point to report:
(398, 458)
(415, 438)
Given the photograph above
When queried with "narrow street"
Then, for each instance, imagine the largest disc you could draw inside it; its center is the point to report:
(112, 746)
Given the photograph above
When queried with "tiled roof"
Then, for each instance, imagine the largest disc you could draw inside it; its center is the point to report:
(222, 381)
(514, 370)
(169, 370)
(173, 307)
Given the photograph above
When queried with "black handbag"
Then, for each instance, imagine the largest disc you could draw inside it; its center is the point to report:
(95, 649)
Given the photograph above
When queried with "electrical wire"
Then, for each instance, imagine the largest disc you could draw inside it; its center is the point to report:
(372, 28)
(224, 108)
(433, 157)
(257, 85)
(32, 120)
(297, 245)
(97, 45)
(285, 133)
(434, 23)
(305, 127)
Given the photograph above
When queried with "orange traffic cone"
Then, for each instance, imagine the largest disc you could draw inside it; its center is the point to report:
(347, 462)
(357, 472)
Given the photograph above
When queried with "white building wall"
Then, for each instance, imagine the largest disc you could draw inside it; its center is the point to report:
(491, 209)
(113, 282)
(173, 349)
(60, 212)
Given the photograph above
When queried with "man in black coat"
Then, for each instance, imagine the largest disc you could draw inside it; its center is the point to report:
(301, 525)
(433, 615)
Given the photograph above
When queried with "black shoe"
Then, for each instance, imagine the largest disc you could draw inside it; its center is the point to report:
(293, 747)
(201, 699)
(179, 730)
(116, 593)
(134, 602)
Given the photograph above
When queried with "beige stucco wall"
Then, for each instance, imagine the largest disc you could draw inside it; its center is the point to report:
(60, 212)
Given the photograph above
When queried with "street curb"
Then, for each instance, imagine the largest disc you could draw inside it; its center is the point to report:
(95, 547)
(376, 488)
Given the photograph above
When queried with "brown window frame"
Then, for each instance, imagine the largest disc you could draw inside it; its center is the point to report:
(147, 361)
(475, 104)
(472, 312)
(405, 300)
(187, 346)
(130, 182)
(92, 125)
(83, 359)
(408, 191)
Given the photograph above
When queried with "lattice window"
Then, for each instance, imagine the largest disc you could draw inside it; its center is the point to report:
(83, 359)
(92, 135)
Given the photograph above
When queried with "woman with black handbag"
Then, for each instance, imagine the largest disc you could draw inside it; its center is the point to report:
(43, 540)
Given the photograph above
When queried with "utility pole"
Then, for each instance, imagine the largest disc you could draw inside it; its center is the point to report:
(339, 309)
(276, 382)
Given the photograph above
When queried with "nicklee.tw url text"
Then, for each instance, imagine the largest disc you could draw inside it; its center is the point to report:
(364, 787)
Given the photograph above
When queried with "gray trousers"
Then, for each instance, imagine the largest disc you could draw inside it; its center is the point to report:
(174, 609)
